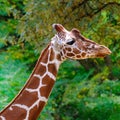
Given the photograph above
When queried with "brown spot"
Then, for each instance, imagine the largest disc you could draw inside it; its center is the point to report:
(27, 98)
(59, 57)
(34, 83)
(64, 51)
(41, 69)
(52, 69)
(52, 55)
(80, 44)
(15, 113)
(34, 113)
(76, 51)
(68, 49)
(93, 46)
(83, 54)
(44, 56)
(45, 91)
(70, 54)
(87, 44)
(78, 56)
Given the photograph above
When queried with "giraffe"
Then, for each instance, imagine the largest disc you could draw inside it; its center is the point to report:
(65, 44)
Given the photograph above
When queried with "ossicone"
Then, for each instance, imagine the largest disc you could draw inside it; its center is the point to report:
(58, 27)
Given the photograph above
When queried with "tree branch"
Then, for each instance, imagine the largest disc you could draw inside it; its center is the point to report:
(95, 11)
(78, 5)
(105, 5)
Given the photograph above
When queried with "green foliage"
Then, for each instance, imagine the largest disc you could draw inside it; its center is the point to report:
(83, 97)
(10, 12)
(13, 74)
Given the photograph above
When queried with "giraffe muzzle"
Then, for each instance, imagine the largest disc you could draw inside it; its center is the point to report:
(103, 51)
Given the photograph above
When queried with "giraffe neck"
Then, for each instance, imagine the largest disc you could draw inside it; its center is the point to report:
(33, 97)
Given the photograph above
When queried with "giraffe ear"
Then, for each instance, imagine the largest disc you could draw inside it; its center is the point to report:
(76, 32)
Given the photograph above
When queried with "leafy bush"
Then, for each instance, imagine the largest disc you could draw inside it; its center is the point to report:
(13, 74)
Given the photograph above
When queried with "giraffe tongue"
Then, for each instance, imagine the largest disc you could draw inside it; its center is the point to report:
(58, 27)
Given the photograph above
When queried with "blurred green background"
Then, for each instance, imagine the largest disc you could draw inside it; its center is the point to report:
(84, 90)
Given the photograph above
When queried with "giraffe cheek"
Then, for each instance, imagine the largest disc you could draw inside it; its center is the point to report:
(69, 49)
(76, 51)
(78, 56)
(83, 54)
(70, 55)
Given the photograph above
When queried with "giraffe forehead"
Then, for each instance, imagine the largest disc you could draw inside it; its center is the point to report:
(66, 35)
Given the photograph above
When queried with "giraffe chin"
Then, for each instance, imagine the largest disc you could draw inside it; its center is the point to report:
(101, 56)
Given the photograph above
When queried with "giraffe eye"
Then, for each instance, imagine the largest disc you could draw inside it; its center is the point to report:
(71, 42)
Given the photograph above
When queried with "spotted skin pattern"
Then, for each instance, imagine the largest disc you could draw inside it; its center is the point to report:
(30, 101)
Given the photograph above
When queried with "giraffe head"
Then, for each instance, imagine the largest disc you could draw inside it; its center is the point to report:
(71, 44)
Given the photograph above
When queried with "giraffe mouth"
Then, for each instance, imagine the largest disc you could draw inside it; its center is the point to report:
(101, 56)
